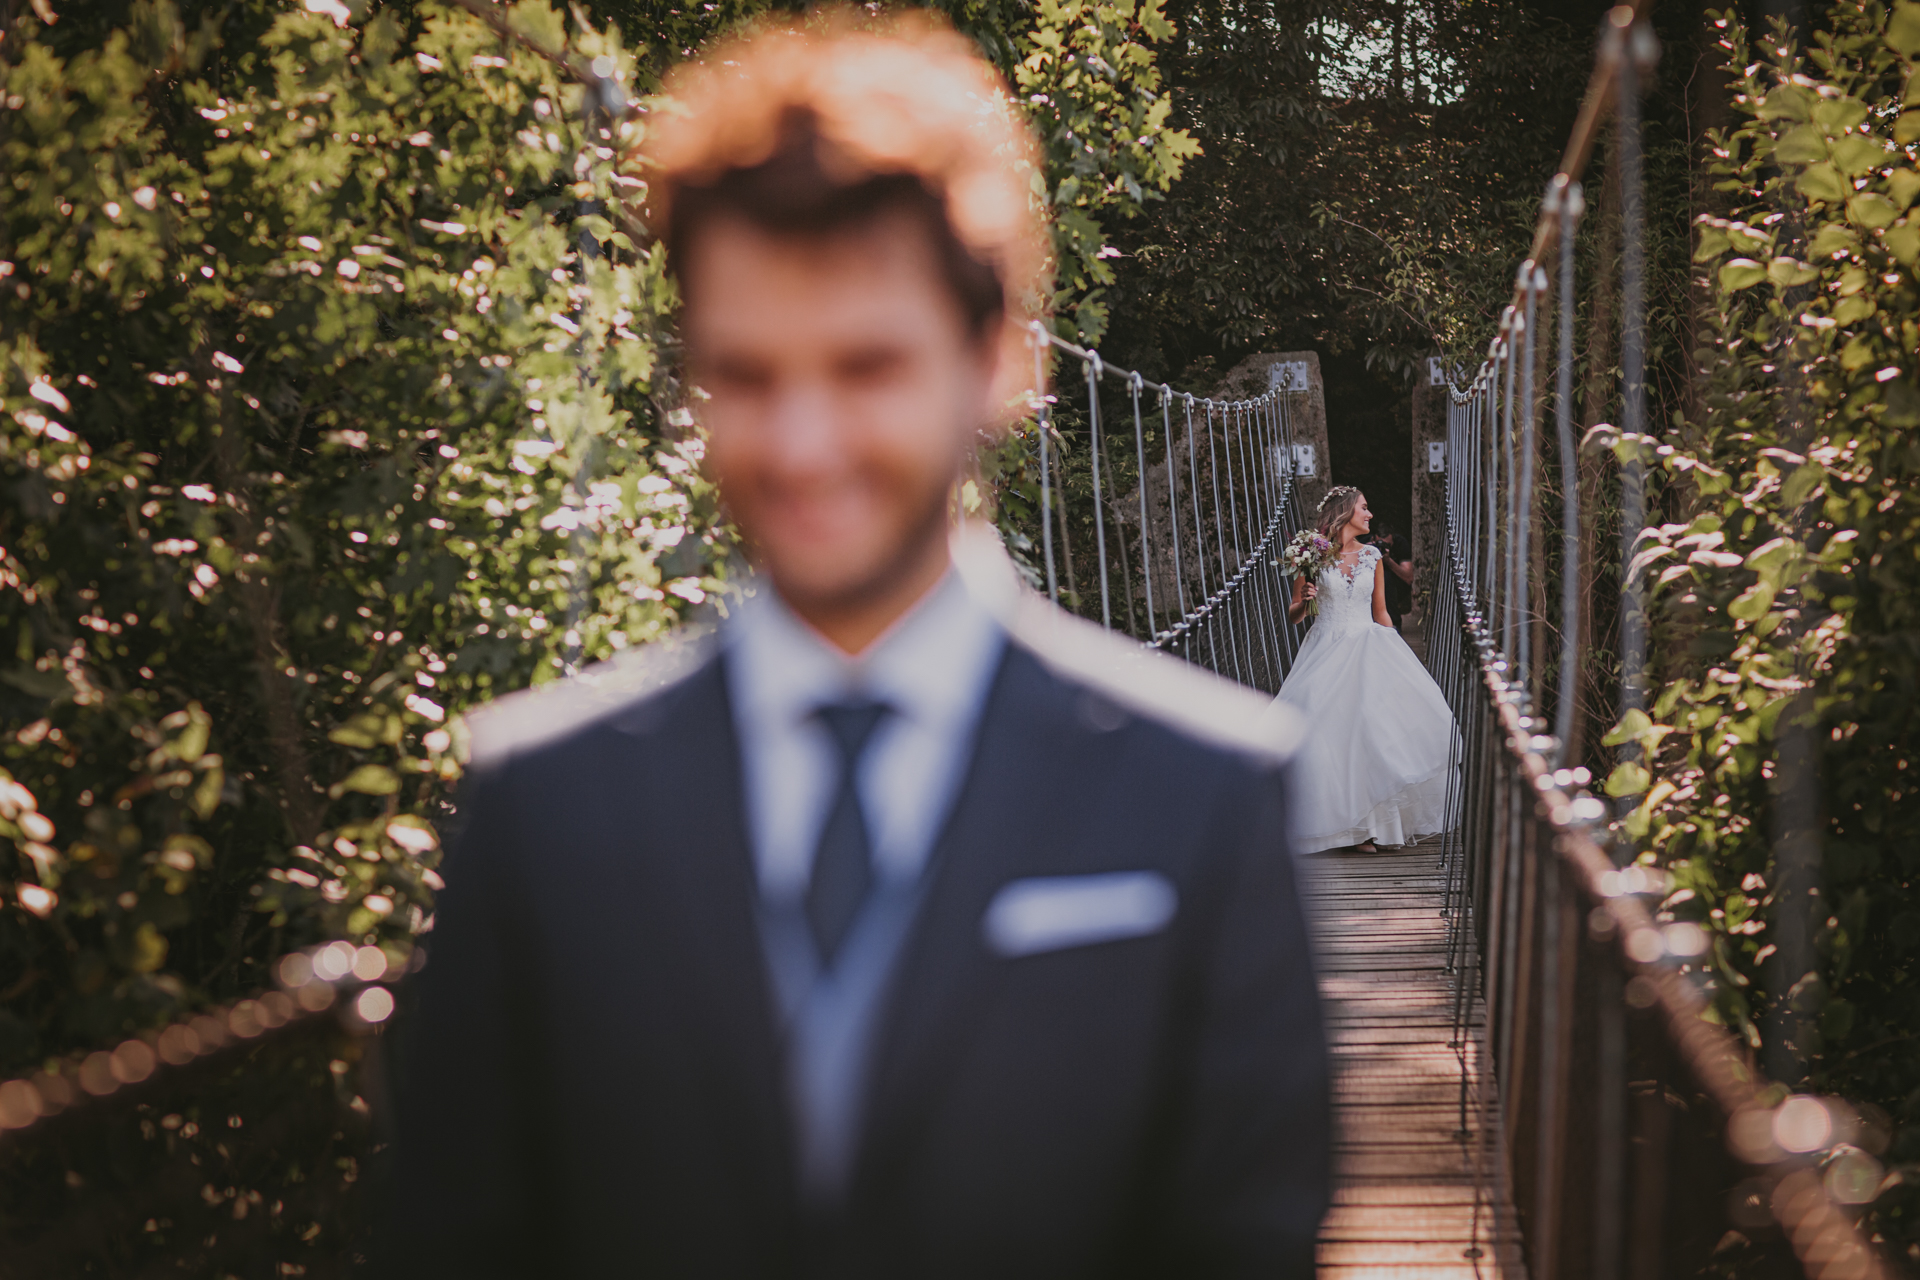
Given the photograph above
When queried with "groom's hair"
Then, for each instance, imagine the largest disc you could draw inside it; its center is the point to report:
(822, 127)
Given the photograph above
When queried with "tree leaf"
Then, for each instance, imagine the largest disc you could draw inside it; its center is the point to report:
(1787, 102)
(1789, 272)
(368, 779)
(1832, 238)
(1903, 242)
(206, 792)
(1631, 728)
(1903, 29)
(1751, 603)
(355, 733)
(1710, 243)
(1822, 182)
(1902, 186)
(1856, 153)
(1802, 483)
(1741, 273)
(1802, 144)
(1872, 210)
(1840, 114)
(191, 743)
(149, 948)
(1627, 779)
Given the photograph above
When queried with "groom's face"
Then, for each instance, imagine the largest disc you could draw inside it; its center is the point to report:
(846, 389)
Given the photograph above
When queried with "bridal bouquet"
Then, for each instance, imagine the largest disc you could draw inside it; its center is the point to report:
(1306, 556)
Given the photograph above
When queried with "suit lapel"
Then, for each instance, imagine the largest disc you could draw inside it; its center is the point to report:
(998, 827)
(690, 805)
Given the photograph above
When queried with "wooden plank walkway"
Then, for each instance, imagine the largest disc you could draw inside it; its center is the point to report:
(1407, 1204)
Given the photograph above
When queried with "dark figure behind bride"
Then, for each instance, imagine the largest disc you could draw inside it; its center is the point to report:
(1397, 559)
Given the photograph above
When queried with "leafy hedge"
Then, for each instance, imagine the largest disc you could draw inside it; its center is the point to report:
(1789, 590)
(330, 410)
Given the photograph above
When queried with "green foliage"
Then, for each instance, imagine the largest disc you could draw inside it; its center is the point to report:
(1789, 594)
(1342, 200)
(1092, 84)
(1088, 77)
(329, 409)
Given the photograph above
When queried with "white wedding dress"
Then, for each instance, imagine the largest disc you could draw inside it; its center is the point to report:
(1377, 756)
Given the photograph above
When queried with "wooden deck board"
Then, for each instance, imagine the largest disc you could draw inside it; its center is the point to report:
(1407, 1202)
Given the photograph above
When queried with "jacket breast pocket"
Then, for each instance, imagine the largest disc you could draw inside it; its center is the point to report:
(1051, 913)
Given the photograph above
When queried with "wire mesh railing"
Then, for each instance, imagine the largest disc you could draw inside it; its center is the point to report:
(1636, 1137)
(1199, 576)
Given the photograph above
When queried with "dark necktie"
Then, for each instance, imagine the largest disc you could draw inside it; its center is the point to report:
(843, 862)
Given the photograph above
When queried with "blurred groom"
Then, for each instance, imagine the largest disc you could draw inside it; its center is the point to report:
(902, 927)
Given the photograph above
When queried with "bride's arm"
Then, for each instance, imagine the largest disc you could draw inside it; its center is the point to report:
(1380, 614)
(1303, 591)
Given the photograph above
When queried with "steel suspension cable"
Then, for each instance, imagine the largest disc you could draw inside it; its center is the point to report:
(1219, 535)
(1536, 281)
(1134, 383)
(1099, 495)
(1247, 602)
(1043, 404)
(1173, 500)
(1257, 610)
(1199, 535)
(1514, 323)
(1569, 206)
(1492, 471)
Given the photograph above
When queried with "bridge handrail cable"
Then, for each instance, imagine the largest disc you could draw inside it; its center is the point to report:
(1240, 628)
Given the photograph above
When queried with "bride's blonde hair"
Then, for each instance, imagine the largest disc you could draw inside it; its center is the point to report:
(1335, 510)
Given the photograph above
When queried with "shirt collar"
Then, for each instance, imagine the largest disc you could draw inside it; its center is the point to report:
(929, 666)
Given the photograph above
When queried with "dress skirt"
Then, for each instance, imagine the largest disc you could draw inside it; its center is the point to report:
(1377, 760)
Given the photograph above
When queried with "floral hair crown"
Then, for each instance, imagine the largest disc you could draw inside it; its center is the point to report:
(1334, 494)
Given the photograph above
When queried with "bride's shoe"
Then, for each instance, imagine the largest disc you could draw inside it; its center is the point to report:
(1366, 846)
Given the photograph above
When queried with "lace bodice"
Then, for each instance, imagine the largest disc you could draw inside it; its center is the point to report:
(1346, 604)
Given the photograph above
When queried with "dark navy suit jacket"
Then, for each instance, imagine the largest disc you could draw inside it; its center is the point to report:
(593, 1083)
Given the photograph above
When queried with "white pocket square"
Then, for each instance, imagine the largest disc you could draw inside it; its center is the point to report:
(1047, 913)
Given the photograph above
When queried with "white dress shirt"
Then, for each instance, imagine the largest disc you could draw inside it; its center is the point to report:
(932, 668)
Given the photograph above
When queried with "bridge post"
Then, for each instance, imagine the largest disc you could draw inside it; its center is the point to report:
(1429, 488)
(1298, 371)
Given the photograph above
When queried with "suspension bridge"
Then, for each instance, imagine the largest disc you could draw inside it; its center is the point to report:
(1526, 1084)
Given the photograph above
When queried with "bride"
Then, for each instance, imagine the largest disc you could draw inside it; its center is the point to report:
(1380, 733)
